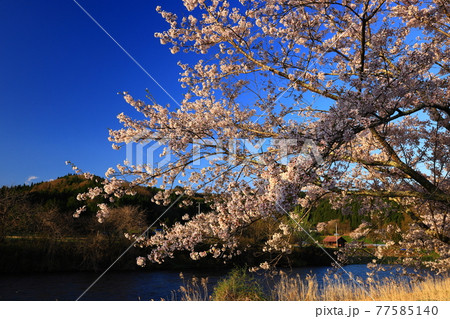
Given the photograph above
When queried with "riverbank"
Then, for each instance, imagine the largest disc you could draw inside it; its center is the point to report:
(46, 255)
(239, 286)
(96, 253)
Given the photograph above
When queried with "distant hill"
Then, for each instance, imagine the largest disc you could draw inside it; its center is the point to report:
(60, 196)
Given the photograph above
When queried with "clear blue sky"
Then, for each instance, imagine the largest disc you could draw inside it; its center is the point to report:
(60, 74)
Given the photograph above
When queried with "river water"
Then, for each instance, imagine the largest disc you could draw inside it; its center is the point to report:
(132, 285)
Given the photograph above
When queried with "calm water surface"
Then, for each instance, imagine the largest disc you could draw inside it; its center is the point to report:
(124, 285)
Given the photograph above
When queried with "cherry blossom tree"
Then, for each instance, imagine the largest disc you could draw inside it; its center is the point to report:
(352, 96)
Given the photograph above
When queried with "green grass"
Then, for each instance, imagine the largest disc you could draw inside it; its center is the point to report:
(347, 238)
(239, 285)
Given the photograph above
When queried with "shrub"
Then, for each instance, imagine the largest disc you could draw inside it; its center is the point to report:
(239, 285)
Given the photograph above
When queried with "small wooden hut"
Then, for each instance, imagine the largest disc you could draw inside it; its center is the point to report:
(334, 241)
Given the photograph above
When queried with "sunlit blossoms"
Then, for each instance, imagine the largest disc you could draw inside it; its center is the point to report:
(364, 83)
(362, 231)
(140, 261)
(79, 211)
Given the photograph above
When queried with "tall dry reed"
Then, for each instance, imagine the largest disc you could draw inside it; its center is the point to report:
(194, 289)
(333, 288)
(338, 289)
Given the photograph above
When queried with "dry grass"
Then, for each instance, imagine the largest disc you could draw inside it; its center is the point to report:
(336, 289)
(332, 289)
(192, 290)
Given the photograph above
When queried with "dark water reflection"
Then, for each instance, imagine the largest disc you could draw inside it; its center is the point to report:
(113, 286)
(125, 285)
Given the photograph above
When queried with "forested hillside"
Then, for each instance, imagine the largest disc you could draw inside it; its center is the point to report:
(48, 207)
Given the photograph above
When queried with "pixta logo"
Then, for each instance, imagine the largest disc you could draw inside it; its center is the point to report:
(146, 151)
